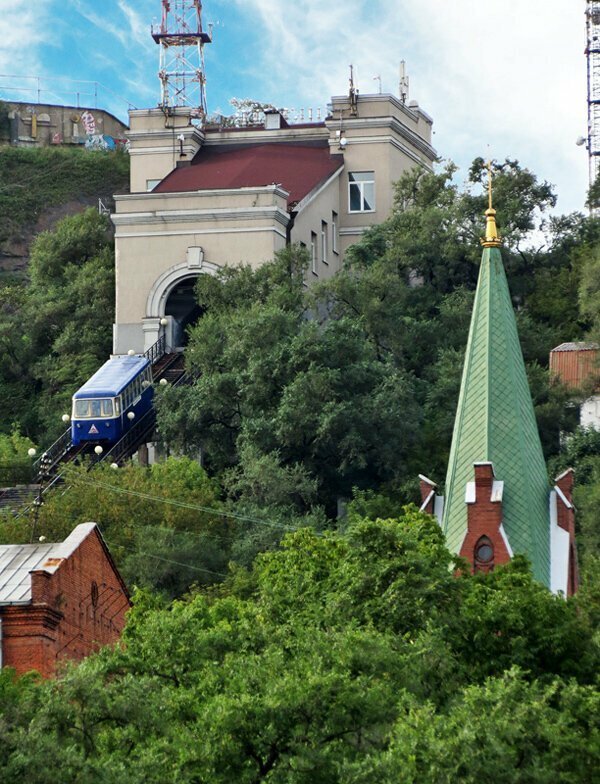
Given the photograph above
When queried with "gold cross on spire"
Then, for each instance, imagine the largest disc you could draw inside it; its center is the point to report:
(492, 238)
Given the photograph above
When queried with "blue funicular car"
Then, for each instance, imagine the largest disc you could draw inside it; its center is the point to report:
(122, 386)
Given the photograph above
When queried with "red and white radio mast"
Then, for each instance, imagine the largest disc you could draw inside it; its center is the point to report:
(181, 40)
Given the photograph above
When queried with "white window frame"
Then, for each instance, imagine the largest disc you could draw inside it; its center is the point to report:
(324, 232)
(313, 252)
(360, 184)
(334, 232)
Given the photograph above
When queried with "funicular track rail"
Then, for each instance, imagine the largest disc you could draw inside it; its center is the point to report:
(49, 467)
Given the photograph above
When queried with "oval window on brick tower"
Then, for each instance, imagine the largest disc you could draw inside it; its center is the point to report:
(484, 555)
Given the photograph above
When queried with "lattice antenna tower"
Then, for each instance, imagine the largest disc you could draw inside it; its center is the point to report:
(592, 51)
(181, 40)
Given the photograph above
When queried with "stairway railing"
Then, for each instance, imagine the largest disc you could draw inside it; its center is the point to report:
(156, 350)
(52, 455)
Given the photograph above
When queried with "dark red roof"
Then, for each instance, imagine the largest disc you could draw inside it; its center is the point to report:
(297, 168)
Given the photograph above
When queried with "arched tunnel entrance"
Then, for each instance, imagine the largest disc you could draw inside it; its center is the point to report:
(181, 305)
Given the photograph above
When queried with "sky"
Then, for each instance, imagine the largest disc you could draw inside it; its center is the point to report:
(500, 78)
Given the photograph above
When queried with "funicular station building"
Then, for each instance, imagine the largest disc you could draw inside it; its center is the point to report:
(205, 197)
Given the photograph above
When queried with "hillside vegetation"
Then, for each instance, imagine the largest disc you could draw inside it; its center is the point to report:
(304, 399)
(298, 622)
(39, 184)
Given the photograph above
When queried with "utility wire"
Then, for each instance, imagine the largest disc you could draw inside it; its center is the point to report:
(171, 561)
(184, 504)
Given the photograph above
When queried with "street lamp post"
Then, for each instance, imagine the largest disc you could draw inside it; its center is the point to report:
(38, 501)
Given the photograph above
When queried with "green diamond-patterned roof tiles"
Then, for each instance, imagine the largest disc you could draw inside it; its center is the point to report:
(495, 422)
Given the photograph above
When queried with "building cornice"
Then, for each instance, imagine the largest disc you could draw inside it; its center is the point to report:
(199, 232)
(413, 111)
(162, 217)
(369, 123)
(276, 190)
(394, 143)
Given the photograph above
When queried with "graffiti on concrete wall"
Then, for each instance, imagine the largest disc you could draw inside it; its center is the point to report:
(102, 141)
(89, 123)
(96, 140)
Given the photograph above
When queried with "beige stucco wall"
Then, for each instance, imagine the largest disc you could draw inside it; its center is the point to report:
(374, 143)
(163, 238)
(155, 147)
(318, 208)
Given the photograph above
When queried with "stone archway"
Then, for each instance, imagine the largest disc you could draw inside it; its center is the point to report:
(163, 297)
(182, 308)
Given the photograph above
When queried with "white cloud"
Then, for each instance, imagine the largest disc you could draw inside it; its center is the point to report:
(501, 73)
(22, 29)
(133, 63)
(139, 27)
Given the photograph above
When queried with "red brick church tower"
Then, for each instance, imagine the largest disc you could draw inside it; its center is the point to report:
(498, 500)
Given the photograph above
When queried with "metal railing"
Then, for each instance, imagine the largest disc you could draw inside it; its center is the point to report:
(53, 454)
(157, 350)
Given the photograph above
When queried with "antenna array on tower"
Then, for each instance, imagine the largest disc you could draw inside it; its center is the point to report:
(181, 40)
(593, 97)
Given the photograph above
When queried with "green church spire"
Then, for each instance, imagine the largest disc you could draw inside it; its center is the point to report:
(495, 421)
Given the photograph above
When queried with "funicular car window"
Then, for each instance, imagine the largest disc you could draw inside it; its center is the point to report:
(82, 408)
(107, 408)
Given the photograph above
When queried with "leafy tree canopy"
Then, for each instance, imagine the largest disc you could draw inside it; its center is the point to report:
(339, 658)
(55, 332)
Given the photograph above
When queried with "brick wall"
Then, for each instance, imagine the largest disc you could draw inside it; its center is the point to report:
(484, 518)
(74, 610)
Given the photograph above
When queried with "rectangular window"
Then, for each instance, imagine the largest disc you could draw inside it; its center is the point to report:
(324, 230)
(81, 409)
(313, 252)
(361, 191)
(334, 232)
(97, 408)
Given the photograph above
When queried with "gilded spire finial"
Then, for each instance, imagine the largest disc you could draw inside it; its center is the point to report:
(492, 239)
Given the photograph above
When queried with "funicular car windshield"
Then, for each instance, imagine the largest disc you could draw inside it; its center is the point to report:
(100, 407)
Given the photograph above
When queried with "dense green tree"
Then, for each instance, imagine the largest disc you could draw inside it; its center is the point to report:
(355, 381)
(56, 332)
(337, 659)
(165, 525)
(504, 730)
(274, 379)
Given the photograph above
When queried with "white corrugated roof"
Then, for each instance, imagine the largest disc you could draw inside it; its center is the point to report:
(17, 561)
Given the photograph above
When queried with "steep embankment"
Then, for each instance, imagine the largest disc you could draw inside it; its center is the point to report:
(39, 186)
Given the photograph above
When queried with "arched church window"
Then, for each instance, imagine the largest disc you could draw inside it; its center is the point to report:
(484, 555)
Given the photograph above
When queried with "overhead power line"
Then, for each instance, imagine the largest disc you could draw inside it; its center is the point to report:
(186, 505)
